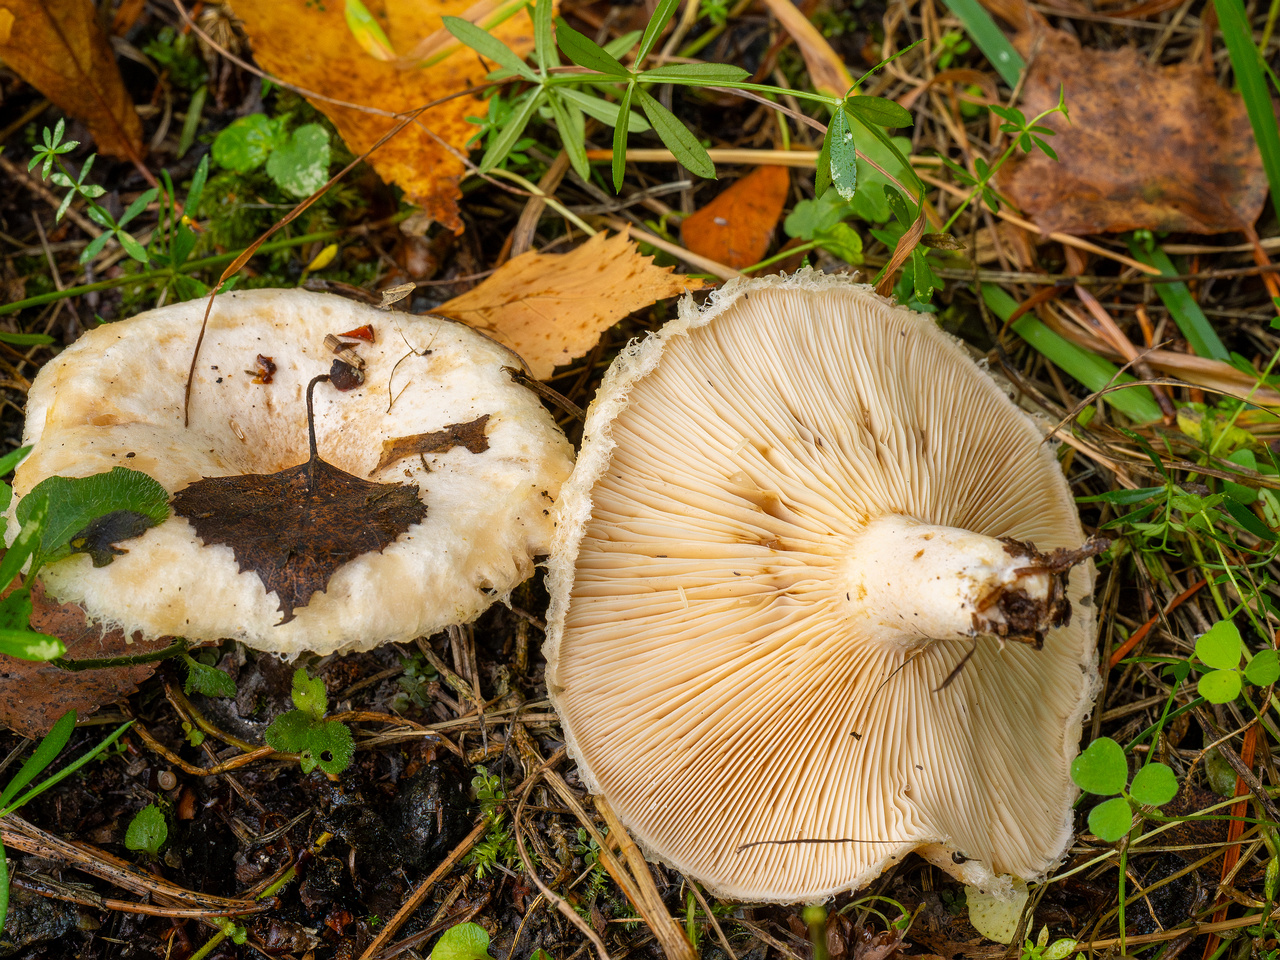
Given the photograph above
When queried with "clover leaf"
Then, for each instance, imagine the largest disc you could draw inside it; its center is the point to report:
(1102, 769)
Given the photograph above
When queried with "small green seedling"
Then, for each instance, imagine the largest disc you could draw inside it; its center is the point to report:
(297, 162)
(1220, 649)
(206, 679)
(322, 743)
(12, 796)
(1103, 770)
(1042, 949)
(147, 830)
(463, 941)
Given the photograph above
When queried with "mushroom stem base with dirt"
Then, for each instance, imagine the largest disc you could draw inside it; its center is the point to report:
(915, 582)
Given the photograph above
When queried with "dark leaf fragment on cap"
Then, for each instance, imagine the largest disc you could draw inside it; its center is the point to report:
(470, 435)
(294, 537)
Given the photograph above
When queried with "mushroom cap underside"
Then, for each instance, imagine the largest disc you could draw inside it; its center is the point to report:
(115, 398)
(715, 683)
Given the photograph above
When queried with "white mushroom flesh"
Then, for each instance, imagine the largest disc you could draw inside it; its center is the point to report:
(115, 398)
(718, 681)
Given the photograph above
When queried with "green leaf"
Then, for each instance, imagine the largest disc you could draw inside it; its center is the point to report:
(147, 830)
(572, 134)
(620, 140)
(44, 754)
(620, 46)
(812, 217)
(1111, 819)
(1236, 491)
(878, 110)
(132, 247)
(288, 732)
(309, 695)
(1220, 647)
(1059, 949)
(1220, 686)
(1186, 313)
(488, 46)
(822, 173)
(602, 110)
(1237, 34)
(544, 44)
(844, 156)
(1101, 768)
(246, 143)
(368, 32)
(138, 205)
(26, 339)
(724, 72)
(1153, 785)
(887, 152)
(73, 504)
(662, 15)
(676, 137)
(465, 941)
(585, 52)
(330, 745)
(208, 680)
(842, 241)
(29, 645)
(301, 166)
(989, 38)
(502, 144)
(14, 457)
(1264, 669)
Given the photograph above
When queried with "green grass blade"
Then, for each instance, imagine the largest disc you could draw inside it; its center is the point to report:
(1185, 311)
(990, 39)
(1247, 63)
(44, 754)
(66, 771)
(1090, 369)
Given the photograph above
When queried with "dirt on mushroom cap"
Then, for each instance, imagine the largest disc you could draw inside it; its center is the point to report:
(803, 408)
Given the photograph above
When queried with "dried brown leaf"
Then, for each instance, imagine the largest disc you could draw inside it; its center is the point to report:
(1160, 148)
(552, 307)
(34, 695)
(309, 44)
(295, 530)
(735, 228)
(59, 47)
(470, 435)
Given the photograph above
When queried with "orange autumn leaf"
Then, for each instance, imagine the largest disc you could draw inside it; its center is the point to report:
(735, 228)
(310, 45)
(59, 48)
(552, 307)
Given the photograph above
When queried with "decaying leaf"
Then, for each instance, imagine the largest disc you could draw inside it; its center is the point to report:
(552, 307)
(35, 694)
(735, 228)
(309, 44)
(469, 435)
(60, 48)
(1161, 148)
(295, 528)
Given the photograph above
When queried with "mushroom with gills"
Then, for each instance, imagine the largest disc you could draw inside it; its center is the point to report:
(795, 516)
(433, 410)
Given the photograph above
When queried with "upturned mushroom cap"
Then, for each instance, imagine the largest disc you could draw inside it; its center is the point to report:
(772, 495)
(115, 398)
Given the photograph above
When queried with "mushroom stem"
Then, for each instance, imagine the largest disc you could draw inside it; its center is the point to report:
(914, 582)
(313, 454)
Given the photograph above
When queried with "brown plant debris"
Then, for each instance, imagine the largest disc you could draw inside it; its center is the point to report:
(295, 528)
(1157, 148)
(470, 435)
(552, 307)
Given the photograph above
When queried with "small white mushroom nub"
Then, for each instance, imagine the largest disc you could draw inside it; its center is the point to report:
(794, 515)
(115, 398)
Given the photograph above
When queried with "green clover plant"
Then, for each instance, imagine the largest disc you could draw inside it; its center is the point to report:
(322, 743)
(298, 162)
(1103, 770)
(1042, 949)
(1220, 649)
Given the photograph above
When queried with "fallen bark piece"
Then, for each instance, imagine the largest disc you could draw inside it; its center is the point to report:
(552, 307)
(1157, 148)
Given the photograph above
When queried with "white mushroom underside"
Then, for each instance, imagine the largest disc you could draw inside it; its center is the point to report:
(707, 664)
(115, 398)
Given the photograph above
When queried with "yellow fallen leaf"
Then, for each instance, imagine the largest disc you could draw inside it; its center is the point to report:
(59, 48)
(309, 44)
(552, 307)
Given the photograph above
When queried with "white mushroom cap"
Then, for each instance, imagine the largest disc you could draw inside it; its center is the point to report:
(115, 398)
(768, 494)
